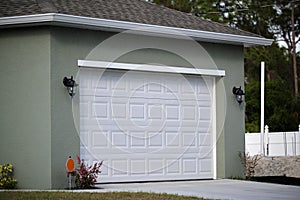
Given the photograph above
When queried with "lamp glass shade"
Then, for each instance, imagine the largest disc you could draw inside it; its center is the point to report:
(239, 98)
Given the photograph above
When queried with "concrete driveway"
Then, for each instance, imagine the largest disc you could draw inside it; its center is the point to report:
(215, 189)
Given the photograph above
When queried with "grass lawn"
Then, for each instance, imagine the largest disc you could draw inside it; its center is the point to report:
(13, 195)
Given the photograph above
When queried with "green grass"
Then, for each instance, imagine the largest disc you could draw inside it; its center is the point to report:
(13, 195)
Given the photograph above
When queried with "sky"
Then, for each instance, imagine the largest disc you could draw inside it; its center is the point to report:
(283, 44)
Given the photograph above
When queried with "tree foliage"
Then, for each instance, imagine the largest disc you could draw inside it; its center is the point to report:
(281, 112)
(187, 6)
(270, 19)
(281, 24)
(277, 64)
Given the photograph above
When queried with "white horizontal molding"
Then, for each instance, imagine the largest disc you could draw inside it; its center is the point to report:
(26, 19)
(149, 68)
(105, 24)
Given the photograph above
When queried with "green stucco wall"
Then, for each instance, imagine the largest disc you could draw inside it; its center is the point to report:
(25, 119)
(38, 118)
(67, 46)
(230, 115)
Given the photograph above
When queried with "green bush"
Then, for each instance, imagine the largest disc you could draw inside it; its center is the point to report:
(6, 180)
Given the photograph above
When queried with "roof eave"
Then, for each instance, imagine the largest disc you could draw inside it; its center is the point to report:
(115, 25)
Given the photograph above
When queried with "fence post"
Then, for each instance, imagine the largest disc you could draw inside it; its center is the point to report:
(294, 147)
(298, 140)
(266, 136)
(262, 108)
(284, 143)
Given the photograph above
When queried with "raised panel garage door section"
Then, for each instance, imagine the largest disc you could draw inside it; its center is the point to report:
(147, 126)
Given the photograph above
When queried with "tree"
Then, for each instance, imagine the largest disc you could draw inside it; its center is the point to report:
(270, 19)
(214, 10)
(285, 25)
(281, 111)
(276, 62)
(181, 5)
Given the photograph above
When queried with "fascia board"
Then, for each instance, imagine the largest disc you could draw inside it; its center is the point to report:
(27, 19)
(105, 24)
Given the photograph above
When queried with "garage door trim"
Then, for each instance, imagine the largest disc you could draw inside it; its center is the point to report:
(149, 68)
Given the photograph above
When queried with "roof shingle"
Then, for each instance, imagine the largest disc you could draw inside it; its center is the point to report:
(138, 11)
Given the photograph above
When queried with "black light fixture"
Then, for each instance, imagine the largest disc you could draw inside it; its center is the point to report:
(70, 85)
(238, 92)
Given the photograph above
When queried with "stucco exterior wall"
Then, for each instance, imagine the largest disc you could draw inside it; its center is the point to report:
(50, 118)
(67, 46)
(25, 119)
(230, 115)
(184, 52)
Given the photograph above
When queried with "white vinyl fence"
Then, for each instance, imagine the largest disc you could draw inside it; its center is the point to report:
(276, 143)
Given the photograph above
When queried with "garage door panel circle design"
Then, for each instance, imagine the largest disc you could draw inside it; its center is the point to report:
(146, 125)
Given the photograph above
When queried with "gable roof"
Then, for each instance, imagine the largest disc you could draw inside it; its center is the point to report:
(138, 12)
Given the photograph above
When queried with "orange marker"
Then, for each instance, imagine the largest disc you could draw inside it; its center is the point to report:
(70, 165)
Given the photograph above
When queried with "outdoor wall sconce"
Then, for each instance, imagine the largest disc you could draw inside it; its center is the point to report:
(238, 92)
(71, 85)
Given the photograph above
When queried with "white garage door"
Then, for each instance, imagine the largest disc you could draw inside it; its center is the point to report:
(147, 126)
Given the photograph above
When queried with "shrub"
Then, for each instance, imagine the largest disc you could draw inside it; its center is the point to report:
(86, 176)
(249, 163)
(6, 180)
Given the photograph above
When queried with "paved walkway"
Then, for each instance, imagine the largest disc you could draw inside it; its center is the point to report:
(215, 189)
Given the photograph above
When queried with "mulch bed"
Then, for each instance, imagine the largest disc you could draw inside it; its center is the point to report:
(277, 179)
